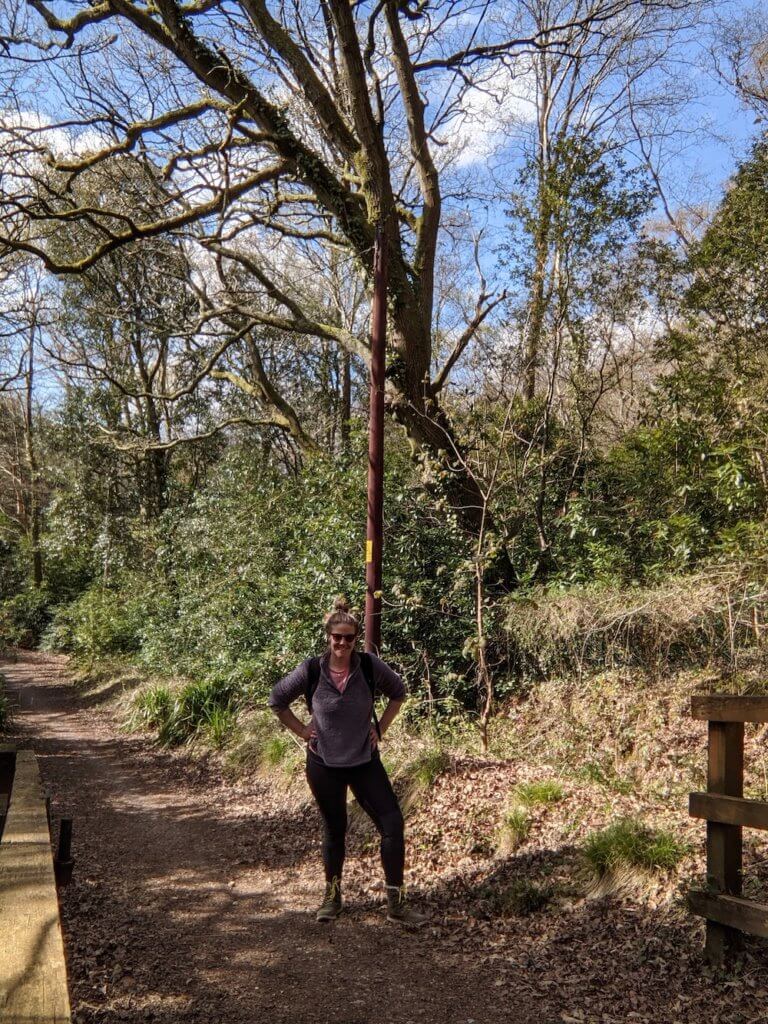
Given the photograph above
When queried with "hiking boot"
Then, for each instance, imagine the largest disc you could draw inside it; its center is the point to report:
(332, 903)
(399, 911)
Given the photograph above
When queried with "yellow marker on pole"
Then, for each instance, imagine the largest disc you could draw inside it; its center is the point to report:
(368, 551)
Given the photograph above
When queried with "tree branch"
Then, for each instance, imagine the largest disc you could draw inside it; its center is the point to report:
(71, 26)
(301, 322)
(280, 41)
(429, 222)
(136, 131)
(282, 413)
(137, 231)
(145, 445)
(482, 310)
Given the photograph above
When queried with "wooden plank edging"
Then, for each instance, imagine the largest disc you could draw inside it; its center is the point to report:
(729, 810)
(33, 982)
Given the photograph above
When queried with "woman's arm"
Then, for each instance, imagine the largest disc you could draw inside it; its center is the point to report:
(284, 693)
(390, 713)
(290, 721)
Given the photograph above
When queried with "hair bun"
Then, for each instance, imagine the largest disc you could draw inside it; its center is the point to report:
(341, 615)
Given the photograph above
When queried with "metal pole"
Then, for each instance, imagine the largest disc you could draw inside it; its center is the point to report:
(374, 535)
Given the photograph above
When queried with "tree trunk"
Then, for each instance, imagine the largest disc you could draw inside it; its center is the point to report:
(536, 310)
(431, 434)
(154, 462)
(32, 466)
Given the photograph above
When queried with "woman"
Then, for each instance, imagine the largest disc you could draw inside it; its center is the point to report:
(343, 751)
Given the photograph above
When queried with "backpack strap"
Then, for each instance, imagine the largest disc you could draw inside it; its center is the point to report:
(367, 666)
(313, 678)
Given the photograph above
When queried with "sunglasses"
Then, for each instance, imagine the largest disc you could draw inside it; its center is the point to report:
(347, 638)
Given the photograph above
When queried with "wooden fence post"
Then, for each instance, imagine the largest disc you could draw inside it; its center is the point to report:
(725, 775)
(726, 812)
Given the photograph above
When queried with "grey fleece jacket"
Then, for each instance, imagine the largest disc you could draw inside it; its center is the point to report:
(342, 721)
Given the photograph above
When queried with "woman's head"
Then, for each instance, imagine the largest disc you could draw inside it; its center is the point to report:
(341, 627)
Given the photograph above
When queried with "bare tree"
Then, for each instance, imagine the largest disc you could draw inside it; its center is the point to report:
(741, 55)
(611, 90)
(309, 125)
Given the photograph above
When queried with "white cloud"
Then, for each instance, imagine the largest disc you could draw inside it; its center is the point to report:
(28, 141)
(34, 133)
(503, 101)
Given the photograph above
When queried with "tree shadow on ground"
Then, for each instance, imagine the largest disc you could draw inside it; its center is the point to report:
(237, 957)
(95, 695)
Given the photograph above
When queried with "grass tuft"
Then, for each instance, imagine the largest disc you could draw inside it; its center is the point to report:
(514, 829)
(204, 708)
(5, 711)
(593, 771)
(539, 794)
(628, 843)
(429, 766)
(151, 709)
(220, 727)
(276, 750)
(262, 745)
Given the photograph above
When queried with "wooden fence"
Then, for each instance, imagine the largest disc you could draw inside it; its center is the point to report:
(727, 812)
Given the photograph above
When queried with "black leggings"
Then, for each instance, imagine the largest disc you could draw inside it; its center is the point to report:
(373, 791)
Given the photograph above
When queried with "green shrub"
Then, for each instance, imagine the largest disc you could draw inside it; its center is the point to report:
(235, 582)
(100, 622)
(24, 618)
(628, 843)
(536, 794)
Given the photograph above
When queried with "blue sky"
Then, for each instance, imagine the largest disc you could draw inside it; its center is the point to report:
(736, 125)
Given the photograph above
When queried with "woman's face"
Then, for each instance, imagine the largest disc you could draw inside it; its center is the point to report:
(341, 638)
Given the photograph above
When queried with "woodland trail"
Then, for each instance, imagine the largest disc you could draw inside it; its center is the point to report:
(191, 900)
(192, 897)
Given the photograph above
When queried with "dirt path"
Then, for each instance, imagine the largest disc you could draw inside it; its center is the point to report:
(190, 900)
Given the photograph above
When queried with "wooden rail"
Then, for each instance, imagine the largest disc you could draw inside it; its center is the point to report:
(726, 813)
(33, 979)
